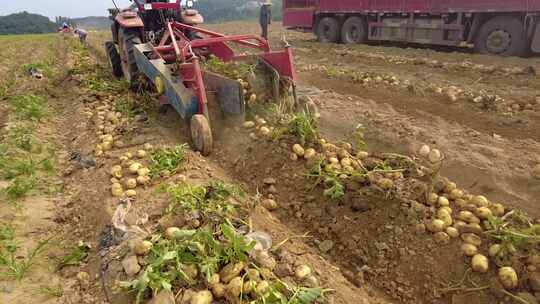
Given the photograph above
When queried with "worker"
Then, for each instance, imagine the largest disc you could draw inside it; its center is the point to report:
(82, 35)
(265, 17)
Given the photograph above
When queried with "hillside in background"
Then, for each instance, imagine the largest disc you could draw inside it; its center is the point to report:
(93, 22)
(227, 10)
(25, 23)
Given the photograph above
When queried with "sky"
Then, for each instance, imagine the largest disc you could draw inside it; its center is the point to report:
(67, 8)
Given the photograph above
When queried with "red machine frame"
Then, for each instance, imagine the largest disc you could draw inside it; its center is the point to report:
(175, 46)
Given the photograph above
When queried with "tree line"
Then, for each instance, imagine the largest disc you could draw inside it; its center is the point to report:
(26, 23)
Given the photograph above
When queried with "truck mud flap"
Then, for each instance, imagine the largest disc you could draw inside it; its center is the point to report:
(535, 42)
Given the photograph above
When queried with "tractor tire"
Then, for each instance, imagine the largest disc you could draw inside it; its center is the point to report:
(354, 30)
(114, 59)
(502, 36)
(201, 134)
(328, 30)
(127, 39)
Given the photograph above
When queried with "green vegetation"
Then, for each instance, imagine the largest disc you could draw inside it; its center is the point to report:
(29, 106)
(53, 291)
(25, 23)
(168, 259)
(304, 126)
(77, 255)
(164, 162)
(211, 200)
(512, 232)
(12, 265)
(329, 177)
(232, 70)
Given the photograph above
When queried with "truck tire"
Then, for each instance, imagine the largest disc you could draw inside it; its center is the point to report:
(127, 38)
(114, 59)
(503, 36)
(354, 30)
(328, 30)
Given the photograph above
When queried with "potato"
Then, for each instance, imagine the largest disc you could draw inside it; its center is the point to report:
(253, 275)
(456, 194)
(424, 151)
(346, 162)
(218, 290)
(128, 155)
(450, 186)
(298, 150)
(460, 203)
(435, 226)
(497, 209)
(114, 180)
(480, 263)
(252, 98)
(333, 160)
(362, 154)
(434, 156)
(432, 199)
(471, 239)
(131, 193)
(143, 180)
(202, 297)
(214, 279)
(230, 271)
(493, 250)
(262, 287)
(264, 131)
(141, 153)
(134, 167)
(302, 271)
(452, 232)
(508, 277)
(117, 190)
(441, 237)
(464, 216)
(483, 213)
(269, 204)
(106, 145)
(443, 201)
(234, 288)
(446, 218)
(480, 201)
(143, 171)
(115, 169)
(248, 124)
(446, 209)
(469, 249)
(142, 247)
(309, 153)
(191, 271)
(131, 183)
(472, 228)
(171, 231)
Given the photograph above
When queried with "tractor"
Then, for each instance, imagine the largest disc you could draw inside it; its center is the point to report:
(161, 43)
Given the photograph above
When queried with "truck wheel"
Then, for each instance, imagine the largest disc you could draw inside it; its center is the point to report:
(353, 31)
(127, 38)
(501, 36)
(201, 134)
(114, 59)
(328, 30)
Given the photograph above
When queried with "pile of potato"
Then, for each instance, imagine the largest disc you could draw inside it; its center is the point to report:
(107, 121)
(130, 173)
(458, 214)
(260, 126)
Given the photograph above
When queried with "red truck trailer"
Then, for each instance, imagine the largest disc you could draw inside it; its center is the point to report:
(503, 27)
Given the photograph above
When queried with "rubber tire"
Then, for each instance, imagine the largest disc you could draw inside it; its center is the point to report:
(114, 59)
(350, 24)
(128, 38)
(330, 36)
(512, 26)
(201, 134)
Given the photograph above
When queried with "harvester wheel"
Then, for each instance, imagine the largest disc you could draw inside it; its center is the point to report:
(328, 30)
(127, 39)
(114, 59)
(354, 30)
(503, 36)
(201, 134)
